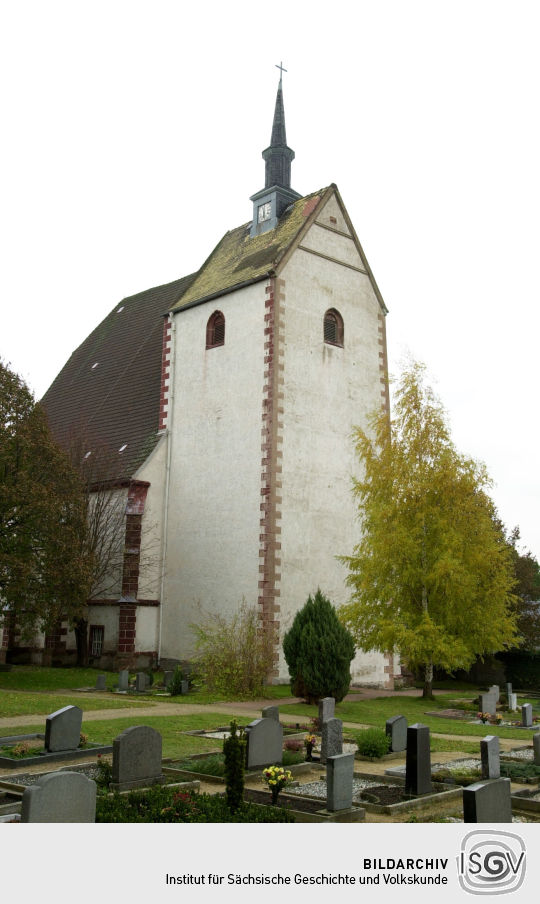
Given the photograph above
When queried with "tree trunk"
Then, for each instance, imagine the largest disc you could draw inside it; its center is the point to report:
(81, 639)
(428, 682)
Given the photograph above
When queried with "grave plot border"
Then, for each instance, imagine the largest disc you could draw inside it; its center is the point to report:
(57, 757)
(521, 800)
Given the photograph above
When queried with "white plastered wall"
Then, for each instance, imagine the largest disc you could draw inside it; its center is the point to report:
(327, 391)
(212, 558)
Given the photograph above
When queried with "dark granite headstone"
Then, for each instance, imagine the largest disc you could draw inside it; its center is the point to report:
(490, 754)
(63, 729)
(264, 743)
(527, 715)
(339, 781)
(418, 762)
(60, 797)
(101, 683)
(488, 801)
(331, 739)
(536, 748)
(396, 728)
(123, 680)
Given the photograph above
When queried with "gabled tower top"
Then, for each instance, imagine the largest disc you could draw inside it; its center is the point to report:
(271, 201)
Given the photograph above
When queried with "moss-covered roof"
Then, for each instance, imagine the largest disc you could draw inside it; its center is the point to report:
(239, 259)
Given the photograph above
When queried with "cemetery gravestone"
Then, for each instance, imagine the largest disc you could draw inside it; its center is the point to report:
(123, 680)
(488, 703)
(508, 690)
(536, 748)
(271, 712)
(101, 683)
(490, 754)
(396, 728)
(339, 781)
(331, 739)
(264, 743)
(184, 686)
(136, 758)
(488, 801)
(418, 762)
(167, 677)
(60, 797)
(327, 709)
(495, 691)
(526, 715)
(63, 729)
(141, 681)
(512, 702)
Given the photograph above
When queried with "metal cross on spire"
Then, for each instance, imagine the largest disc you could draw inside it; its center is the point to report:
(282, 70)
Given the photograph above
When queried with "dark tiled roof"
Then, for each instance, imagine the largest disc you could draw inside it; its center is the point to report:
(109, 391)
(117, 402)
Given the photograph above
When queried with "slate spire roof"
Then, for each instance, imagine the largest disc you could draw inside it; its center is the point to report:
(278, 156)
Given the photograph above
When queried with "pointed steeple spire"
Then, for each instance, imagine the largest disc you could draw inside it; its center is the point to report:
(278, 156)
(277, 194)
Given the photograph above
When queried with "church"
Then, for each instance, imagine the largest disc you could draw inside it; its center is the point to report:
(227, 399)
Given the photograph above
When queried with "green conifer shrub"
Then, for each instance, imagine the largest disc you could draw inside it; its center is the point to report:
(234, 750)
(318, 650)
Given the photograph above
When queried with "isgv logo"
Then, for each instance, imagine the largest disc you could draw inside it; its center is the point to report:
(491, 863)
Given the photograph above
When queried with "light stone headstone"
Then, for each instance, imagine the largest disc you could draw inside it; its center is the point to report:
(490, 755)
(339, 781)
(508, 689)
(184, 686)
(136, 758)
(496, 691)
(60, 797)
(264, 743)
(101, 683)
(536, 748)
(141, 681)
(63, 729)
(167, 677)
(527, 715)
(270, 712)
(418, 762)
(512, 702)
(331, 739)
(488, 801)
(488, 703)
(123, 680)
(327, 709)
(396, 728)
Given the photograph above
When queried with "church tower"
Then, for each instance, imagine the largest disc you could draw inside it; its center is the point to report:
(228, 398)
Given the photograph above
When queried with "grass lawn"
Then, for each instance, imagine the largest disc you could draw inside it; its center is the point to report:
(377, 711)
(41, 678)
(23, 703)
(175, 744)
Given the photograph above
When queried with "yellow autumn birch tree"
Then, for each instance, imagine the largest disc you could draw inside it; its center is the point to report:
(432, 575)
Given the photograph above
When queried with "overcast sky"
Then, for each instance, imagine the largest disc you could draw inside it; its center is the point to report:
(132, 141)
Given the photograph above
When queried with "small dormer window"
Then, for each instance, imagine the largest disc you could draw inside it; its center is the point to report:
(333, 327)
(264, 212)
(215, 330)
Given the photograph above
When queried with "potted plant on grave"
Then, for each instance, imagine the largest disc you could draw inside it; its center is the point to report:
(276, 777)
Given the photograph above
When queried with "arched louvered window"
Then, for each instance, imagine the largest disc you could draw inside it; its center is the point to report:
(215, 330)
(333, 327)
